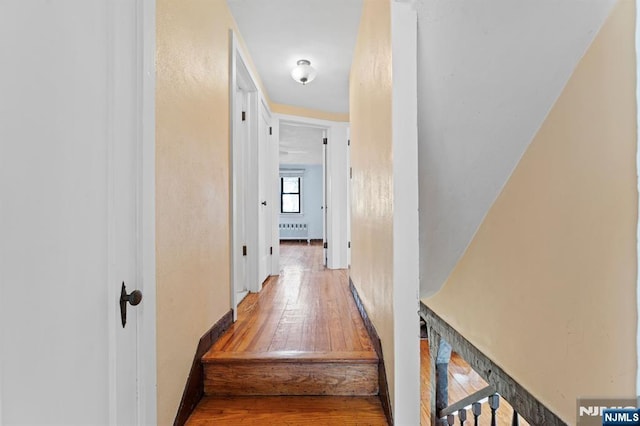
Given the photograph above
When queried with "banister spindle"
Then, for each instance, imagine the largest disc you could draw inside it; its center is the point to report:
(462, 415)
(515, 421)
(494, 403)
(476, 408)
(451, 420)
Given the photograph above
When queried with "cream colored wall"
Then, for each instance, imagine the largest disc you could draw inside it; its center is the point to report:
(308, 113)
(372, 183)
(547, 288)
(192, 180)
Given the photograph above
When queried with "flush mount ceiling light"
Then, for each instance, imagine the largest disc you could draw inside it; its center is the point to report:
(304, 73)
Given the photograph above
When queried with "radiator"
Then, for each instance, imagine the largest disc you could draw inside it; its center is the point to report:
(294, 231)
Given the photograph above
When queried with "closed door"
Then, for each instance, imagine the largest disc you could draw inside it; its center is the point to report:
(70, 155)
(264, 190)
(240, 156)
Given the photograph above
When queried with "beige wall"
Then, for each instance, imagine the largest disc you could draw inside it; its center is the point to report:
(309, 113)
(372, 183)
(547, 288)
(192, 178)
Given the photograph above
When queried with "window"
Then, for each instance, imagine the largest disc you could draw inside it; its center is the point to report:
(290, 194)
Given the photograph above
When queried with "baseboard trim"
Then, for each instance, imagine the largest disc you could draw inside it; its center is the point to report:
(377, 345)
(194, 388)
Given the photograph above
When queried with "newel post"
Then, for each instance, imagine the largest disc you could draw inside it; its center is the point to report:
(439, 356)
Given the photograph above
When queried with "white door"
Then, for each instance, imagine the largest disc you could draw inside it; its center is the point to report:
(240, 157)
(70, 212)
(265, 231)
(325, 189)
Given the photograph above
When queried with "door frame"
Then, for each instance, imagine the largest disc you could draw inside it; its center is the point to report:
(336, 178)
(266, 162)
(147, 363)
(144, 157)
(241, 74)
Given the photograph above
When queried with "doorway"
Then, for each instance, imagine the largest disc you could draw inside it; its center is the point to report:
(302, 185)
(313, 207)
(252, 171)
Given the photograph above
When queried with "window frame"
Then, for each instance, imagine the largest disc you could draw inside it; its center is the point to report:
(299, 193)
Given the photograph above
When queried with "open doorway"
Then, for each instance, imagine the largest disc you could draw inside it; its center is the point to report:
(313, 155)
(302, 185)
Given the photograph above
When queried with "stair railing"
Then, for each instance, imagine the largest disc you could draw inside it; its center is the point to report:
(443, 339)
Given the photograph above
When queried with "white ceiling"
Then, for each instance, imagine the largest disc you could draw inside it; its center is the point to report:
(279, 32)
(300, 144)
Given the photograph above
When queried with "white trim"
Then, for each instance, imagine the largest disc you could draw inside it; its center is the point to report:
(233, 298)
(405, 215)
(233, 84)
(147, 362)
(252, 225)
(242, 76)
(325, 188)
(263, 169)
(275, 220)
(337, 170)
(112, 29)
(144, 156)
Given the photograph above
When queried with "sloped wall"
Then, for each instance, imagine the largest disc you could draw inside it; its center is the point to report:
(488, 74)
(547, 288)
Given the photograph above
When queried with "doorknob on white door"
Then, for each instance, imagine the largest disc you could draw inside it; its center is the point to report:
(134, 298)
(264, 203)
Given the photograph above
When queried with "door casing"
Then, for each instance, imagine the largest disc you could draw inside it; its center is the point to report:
(242, 77)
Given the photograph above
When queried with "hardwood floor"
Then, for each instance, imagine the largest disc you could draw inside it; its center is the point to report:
(299, 338)
(279, 410)
(306, 309)
(306, 319)
(463, 381)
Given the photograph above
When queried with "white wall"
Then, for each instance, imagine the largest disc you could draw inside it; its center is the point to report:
(489, 72)
(406, 330)
(311, 199)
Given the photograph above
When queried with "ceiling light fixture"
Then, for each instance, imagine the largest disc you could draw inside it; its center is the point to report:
(304, 73)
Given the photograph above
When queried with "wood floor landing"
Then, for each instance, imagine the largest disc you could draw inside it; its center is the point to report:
(307, 309)
(298, 354)
(287, 410)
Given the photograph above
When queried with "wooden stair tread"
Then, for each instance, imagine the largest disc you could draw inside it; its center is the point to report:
(358, 357)
(289, 410)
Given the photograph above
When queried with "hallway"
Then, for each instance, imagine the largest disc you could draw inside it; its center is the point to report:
(306, 309)
(298, 353)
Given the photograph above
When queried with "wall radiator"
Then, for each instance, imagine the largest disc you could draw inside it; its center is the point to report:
(294, 231)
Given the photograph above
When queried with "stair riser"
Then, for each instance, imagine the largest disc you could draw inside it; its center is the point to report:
(255, 378)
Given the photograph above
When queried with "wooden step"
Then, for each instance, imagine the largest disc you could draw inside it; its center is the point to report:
(288, 410)
(291, 373)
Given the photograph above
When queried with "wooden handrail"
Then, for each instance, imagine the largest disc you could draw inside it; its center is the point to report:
(467, 401)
